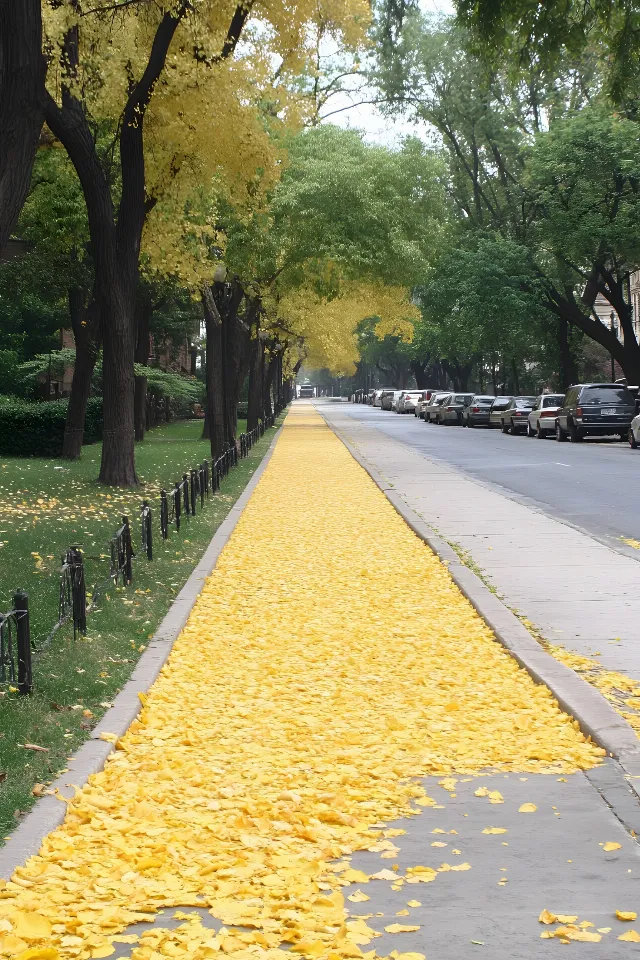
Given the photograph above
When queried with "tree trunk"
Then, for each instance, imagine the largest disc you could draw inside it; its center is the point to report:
(85, 323)
(206, 433)
(269, 377)
(22, 72)
(214, 372)
(143, 321)
(117, 466)
(516, 378)
(256, 365)
(236, 339)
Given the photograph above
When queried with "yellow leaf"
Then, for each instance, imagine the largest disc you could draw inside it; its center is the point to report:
(631, 936)
(414, 903)
(481, 792)
(547, 917)
(358, 897)
(626, 915)
(31, 926)
(527, 808)
(39, 953)
(494, 830)
(104, 951)
(610, 845)
(495, 797)
(401, 928)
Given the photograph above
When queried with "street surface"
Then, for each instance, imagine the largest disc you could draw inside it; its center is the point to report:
(507, 504)
(592, 485)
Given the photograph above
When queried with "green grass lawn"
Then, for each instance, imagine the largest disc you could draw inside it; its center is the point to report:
(49, 505)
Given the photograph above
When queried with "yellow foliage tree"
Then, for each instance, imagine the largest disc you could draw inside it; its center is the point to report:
(177, 94)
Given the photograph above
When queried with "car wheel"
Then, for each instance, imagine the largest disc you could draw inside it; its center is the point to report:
(633, 443)
(575, 434)
(539, 432)
(504, 427)
(560, 434)
(530, 431)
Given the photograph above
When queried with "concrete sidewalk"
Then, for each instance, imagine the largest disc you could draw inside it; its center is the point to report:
(576, 591)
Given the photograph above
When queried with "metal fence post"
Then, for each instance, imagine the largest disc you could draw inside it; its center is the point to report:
(25, 676)
(185, 492)
(127, 550)
(147, 529)
(203, 479)
(164, 515)
(193, 490)
(176, 505)
(75, 561)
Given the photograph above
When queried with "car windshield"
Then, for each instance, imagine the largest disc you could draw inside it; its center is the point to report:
(598, 394)
(462, 398)
(502, 403)
(484, 401)
(552, 401)
(525, 401)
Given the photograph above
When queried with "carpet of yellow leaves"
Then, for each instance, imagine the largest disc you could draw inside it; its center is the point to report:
(329, 662)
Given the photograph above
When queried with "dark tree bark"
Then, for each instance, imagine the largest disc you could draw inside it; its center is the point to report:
(566, 365)
(214, 373)
(85, 323)
(236, 345)
(144, 310)
(22, 72)
(255, 410)
(268, 381)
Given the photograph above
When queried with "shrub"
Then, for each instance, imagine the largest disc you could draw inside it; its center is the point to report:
(243, 409)
(37, 429)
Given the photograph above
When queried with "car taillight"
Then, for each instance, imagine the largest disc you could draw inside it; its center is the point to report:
(449, 409)
(579, 411)
(475, 409)
(548, 413)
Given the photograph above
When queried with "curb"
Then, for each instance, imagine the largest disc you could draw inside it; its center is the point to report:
(49, 811)
(596, 717)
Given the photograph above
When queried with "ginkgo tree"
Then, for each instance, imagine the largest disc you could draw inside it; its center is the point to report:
(180, 93)
(348, 232)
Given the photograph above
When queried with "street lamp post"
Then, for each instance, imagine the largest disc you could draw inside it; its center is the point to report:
(614, 331)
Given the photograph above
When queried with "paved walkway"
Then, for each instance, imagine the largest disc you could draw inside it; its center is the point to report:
(318, 742)
(575, 590)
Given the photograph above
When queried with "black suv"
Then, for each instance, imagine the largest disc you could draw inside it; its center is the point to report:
(599, 409)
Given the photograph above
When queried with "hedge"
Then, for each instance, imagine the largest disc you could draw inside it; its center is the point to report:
(37, 429)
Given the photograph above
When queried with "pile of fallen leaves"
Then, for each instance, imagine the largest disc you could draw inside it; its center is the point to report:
(329, 662)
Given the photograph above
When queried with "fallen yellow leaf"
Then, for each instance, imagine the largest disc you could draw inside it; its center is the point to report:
(527, 808)
(626, 915)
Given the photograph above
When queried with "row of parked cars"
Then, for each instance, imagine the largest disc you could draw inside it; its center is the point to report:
(586, 409)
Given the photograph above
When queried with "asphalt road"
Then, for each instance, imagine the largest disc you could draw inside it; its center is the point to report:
(592, 485)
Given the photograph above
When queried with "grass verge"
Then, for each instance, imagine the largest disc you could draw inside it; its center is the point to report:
(45, 509)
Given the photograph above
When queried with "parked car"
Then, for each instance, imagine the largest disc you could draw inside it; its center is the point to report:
(515, 417)
(634, 432)
(431, 408)
(425, 396)
(595, 409)
(389, 399)
(385, 392)
(476, 413)
(450, 411)
(394, 400)
(407, 401)
(498, 407)
(542, 419)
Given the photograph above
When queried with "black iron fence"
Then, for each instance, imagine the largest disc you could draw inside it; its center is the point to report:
(175, 506)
